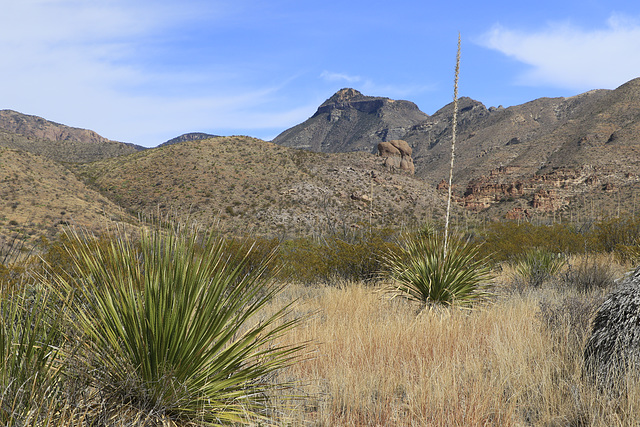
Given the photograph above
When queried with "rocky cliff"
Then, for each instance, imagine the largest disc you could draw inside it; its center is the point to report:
(545, 156)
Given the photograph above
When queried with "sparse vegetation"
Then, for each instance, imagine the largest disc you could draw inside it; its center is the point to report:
(172, 327)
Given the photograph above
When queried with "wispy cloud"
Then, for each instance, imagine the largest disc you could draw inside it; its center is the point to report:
(369, 87)
(565, 55)
(336, 77)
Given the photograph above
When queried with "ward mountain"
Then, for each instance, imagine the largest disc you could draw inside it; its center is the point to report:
(549, 159)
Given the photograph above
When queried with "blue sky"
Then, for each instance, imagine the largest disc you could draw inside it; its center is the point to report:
(144, 71)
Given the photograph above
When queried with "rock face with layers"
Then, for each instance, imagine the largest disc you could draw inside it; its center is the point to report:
(397, 155)
(614, 345)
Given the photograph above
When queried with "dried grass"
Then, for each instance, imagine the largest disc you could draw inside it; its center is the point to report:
(379, 362)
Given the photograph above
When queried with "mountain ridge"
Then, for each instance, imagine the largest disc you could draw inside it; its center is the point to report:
(57, 141)
(570, 158)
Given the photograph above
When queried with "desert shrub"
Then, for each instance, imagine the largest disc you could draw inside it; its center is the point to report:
(57, 257)
(169, 327)
(251, 252)
(421, 271)
(338, 257)
(537, 266)
(15, 260)
(304, 260)
(507, 240)
(628, 253)
(611, 234)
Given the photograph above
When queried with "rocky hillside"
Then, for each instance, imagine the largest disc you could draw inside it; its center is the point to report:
(553, 155)
(56, 141)
(351, 121)
(38, 197)
(249, 185)
(574, 159)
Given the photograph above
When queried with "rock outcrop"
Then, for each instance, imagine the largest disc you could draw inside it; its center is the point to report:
(396, 155)
(614, 345)
(37, 127)
(193, 136)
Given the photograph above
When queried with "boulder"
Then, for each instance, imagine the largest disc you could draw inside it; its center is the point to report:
(614, 345)
(397, 155)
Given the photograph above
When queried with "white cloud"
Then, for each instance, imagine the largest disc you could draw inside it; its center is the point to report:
(567, 56)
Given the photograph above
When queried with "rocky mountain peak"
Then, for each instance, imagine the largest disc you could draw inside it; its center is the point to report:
(351, 121)
(344, 95)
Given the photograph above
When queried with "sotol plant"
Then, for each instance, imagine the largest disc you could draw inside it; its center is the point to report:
(423, 272)
(29, 357)
(538, 265)
(170, 327)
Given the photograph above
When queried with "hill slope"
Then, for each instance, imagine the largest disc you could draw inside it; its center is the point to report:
(544, 157)
(38, 196)
(193, 136)
(552, 155)
(246, 184)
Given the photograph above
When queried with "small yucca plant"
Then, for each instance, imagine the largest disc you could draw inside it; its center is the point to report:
(538, 265)
(424, 271)
(168, 321)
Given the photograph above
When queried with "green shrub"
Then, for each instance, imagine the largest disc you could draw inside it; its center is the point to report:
(251, 253)
(507, 240)
(611, 234)
(352, 257)
(420, 271)
(168, 321)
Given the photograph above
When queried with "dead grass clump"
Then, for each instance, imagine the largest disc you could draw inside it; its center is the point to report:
(592, 272)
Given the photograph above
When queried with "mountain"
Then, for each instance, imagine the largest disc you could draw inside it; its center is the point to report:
(193, 136)
(56, 141)
(351, 121)
(246, 185)
(547, 156)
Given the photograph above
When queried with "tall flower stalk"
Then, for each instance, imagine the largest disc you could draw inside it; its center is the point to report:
(453, 146)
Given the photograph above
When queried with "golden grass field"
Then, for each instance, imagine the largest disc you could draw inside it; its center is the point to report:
(374, 361)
